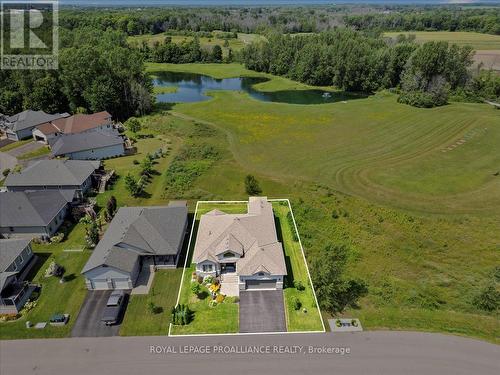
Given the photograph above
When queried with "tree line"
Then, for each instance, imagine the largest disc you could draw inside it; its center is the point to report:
(286, 19)
(188, 51)
(97, 71)
(424, 74)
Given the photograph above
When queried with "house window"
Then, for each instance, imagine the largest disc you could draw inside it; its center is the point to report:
(11, 229)
(261, 273)
(207, 268)
(228, 255)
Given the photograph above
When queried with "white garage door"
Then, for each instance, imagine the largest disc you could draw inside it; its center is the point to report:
(100, 284)
(260, 284)
(121, 283)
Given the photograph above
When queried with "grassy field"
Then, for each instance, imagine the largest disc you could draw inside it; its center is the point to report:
(422, 160)
(235, 44)
(138, 321)
(297, 320)
(65, 298)
(477, 40)
(421, 264)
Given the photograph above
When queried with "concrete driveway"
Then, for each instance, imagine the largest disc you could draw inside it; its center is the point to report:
(262, 311)
(88, 323)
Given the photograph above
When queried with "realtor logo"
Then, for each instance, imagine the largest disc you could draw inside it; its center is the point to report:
(29, 34)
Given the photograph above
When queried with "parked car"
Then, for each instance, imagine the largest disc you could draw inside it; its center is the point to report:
(114, 307)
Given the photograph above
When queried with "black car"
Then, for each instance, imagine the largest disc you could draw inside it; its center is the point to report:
(114, 307)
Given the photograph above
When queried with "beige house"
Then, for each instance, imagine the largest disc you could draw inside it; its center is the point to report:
(241, 249)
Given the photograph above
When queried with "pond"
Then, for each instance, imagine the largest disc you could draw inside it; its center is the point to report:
(192, 87)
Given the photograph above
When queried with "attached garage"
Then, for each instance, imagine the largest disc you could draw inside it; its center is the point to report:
(260, 284)
(122, 284)
(99, 284)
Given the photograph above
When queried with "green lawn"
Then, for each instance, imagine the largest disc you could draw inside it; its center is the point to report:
(55, 297)
(138, 320)
(477, 40)
(45, 150)
(14, 145)
(222, 318)
(297, 320)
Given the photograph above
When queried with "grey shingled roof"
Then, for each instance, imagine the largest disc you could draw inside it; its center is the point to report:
(29, 119)
(84, 141)
(134, 231)
(10, 250)
(53, 173)
(32, 208)
(252, 235)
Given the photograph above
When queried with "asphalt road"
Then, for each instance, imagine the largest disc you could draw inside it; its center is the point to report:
(262, 311)
(387, 353)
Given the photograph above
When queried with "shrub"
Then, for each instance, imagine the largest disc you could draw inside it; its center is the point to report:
(195, 288)
(488, 299)
(208, 279)
(297, 304)
(54, 269)
(299, 285)
(6, 172)
(30, 305)
(220, 298)
(152, 308)
(252, 185)
(181, 315)
(200, 279)
(338, 323)
(57, 238)
(9, 317)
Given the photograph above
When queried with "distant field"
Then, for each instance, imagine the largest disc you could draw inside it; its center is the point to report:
(234, 44)
(476, 40)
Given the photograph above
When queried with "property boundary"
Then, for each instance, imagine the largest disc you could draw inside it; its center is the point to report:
(250, 333)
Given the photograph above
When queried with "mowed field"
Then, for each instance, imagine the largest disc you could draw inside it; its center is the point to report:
(477, 40)
(487, 46)
(441, 160)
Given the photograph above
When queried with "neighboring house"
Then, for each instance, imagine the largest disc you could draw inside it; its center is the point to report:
(242, 245)
(21, 125)
(54, 174)
(84, 146)
(79, 123)
(137, 237)
(33, 213)
(16, 260)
